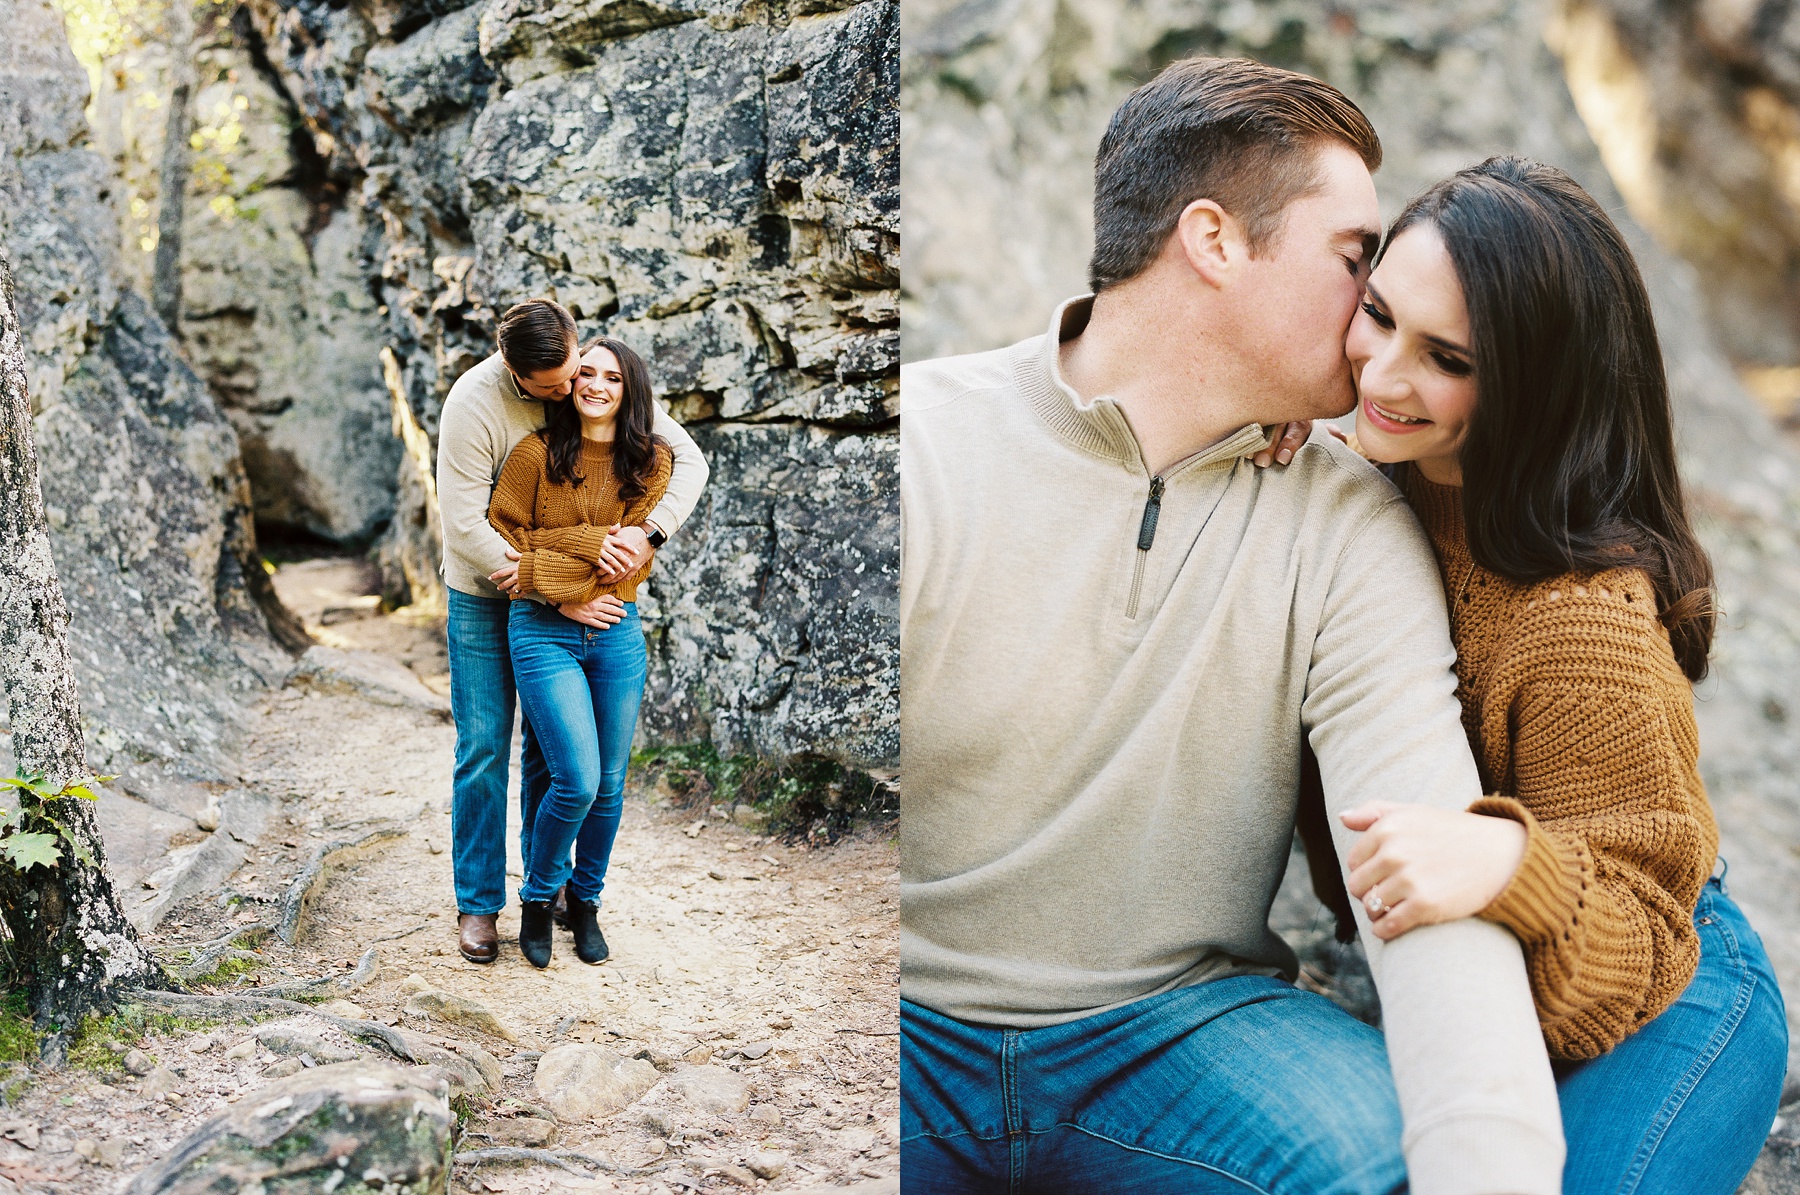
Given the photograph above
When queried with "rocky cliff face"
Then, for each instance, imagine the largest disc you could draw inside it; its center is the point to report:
(1006, 101)
(277, 312)
(718, 185)
(1696, 109)
(147, 502)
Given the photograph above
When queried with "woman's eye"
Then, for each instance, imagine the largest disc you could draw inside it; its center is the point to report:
(1456, 367)
(1375, 313)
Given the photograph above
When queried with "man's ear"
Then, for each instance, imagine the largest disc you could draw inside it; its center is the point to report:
(1211, 241)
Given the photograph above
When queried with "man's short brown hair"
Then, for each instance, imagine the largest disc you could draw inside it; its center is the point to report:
(1235, 131)
(536, 335)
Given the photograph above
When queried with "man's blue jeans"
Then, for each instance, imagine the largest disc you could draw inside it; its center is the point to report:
(1250, 1085)
(1240, 1085)
(580, 688)
(1682, 1106)
(481, 703)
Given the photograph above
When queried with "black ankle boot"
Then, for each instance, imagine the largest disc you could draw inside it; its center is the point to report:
(590, 943)
(534, 932)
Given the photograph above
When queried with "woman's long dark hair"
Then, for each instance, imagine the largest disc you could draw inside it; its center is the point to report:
(1569, 460)
(634, 444)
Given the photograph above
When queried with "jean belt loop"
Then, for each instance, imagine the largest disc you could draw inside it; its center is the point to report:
(1718, 880)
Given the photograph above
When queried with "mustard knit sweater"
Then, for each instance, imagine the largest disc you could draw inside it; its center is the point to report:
(1583, 722)
(559, 530)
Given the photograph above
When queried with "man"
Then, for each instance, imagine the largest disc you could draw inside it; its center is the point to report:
(1115, 631)
(490, 409)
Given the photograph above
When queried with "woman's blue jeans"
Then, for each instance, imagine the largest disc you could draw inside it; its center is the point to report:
(1682, 1106)
(580, 688)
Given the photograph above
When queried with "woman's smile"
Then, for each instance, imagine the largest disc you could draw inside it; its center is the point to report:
(596, 402)
(1391, 422)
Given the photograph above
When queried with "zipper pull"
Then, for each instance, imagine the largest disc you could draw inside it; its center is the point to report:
(1152, 510)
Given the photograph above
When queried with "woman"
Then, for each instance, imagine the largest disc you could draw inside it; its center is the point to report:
(593, 468)
(1507, 365)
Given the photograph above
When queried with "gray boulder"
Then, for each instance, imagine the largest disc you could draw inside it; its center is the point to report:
(584, 1082)
(359, 1125)
(364, 674)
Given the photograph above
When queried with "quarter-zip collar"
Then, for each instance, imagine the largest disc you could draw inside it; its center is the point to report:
(1099, 427)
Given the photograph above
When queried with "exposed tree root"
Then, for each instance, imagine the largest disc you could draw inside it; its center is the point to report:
(550, 1157)
(372, 1032)
(300, 892)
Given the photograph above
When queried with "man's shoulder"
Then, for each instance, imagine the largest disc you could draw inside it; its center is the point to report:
(1339, 480)
(478, 388)
(941, 381)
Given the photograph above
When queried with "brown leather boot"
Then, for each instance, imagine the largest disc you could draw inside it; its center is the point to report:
(477, 937)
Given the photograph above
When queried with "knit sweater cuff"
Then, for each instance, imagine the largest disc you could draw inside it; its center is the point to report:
(527, 573)
(1538, 904)
(1481, 1155)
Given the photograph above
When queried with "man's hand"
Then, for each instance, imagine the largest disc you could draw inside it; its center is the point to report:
(627, 550)
(506, 579)
(1415, 865)
(603, 612)
(1287, 443)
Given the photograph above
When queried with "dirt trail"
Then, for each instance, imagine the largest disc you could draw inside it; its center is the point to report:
(778, 963)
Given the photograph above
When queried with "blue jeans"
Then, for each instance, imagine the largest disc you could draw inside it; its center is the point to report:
(1681, 1107)
(580, 688)
(481, 703)
(1240, 1085)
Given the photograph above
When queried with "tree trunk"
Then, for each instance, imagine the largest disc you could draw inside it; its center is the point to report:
(165, 280)
(72, 948)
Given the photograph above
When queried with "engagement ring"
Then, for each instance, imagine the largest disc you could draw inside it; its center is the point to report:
(1375, 904)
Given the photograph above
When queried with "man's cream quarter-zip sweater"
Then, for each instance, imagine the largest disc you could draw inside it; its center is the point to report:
(1105, 678)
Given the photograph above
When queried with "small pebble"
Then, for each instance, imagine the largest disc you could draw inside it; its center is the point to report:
(766, 1114)
(243, 1049)
(138, 1062)
(200, 1045)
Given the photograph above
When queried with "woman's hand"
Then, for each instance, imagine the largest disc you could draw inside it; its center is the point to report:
(1415, 865)
(1287, 442)
(506, 579)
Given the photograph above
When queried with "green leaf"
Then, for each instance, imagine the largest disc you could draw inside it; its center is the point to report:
(69, 839)
(79, 790)
(28, 850)
(26, 784)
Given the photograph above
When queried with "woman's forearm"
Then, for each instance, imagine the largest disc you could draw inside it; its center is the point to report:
(1608, 944)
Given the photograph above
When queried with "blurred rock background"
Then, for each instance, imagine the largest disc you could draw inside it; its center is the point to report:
(1682, 116)
(364, 186)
